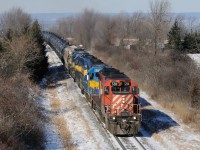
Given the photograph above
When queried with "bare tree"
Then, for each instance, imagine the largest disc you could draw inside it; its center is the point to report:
(159, 18)
(136, 21)
(193, 24)
(15, 20)
(122, 22)
(180, 19)
(20, 50)
(66, 26)
(105, 31)
(85, 27)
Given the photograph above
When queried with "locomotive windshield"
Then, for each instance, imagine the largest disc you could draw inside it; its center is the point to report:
(120, 87)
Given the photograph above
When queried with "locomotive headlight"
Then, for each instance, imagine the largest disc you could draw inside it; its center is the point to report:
(123, 100)
(134, 118)
(113, 118)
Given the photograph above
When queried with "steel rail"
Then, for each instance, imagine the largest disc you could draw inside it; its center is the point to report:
(139, 142)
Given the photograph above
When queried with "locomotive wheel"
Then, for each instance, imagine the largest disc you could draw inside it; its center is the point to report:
(82, 91)
(102, 118)
(110, 126)
(107, 123)
(87, 96)
(79, 84)
(93, 105)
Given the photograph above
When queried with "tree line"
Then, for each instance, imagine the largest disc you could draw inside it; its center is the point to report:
(153, 30)
(189, 42)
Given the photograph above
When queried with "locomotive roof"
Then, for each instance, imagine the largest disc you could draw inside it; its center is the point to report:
(113, 73)
(90, 59)
(78, 53)
(79, 49)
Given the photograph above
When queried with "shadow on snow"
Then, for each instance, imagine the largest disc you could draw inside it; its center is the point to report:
(154, 121)
(55, 74)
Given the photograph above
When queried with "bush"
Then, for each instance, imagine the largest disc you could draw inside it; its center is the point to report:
(20, 118)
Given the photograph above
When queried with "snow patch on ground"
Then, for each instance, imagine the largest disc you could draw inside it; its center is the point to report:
(53, 141)
(196, 58)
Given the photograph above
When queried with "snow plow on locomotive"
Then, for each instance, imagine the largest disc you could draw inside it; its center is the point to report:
(111, 93)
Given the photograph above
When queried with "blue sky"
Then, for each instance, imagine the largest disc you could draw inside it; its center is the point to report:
(108, 6)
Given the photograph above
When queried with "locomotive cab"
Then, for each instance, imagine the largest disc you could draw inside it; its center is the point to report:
(91, 84)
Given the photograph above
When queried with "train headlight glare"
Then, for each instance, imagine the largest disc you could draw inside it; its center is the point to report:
(113, 118)
(123, 101)
(123, 98)
(134, 118)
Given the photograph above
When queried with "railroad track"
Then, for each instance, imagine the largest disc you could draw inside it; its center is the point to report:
(129, 143)
(126, 143)
(120, 143)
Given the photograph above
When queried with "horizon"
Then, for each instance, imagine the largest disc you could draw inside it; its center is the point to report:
(107, 12)
(48, 20)
(103, 6)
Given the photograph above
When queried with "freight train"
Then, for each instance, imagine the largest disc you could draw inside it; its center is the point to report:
(112, 94)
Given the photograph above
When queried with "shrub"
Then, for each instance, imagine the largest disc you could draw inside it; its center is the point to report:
(20, 118)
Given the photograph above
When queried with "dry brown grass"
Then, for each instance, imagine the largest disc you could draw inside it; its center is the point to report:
(181, 109)
(55, 104)
(84, 123)
(52, 91)
(60, 122)
(64, 132)
(156, 136)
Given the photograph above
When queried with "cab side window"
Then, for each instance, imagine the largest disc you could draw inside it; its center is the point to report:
(76, 62)
(91, 76)
(106, 90)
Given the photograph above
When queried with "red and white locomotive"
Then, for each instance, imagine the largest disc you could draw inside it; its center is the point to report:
(118, 102)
